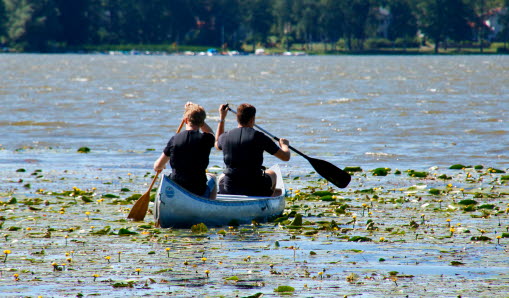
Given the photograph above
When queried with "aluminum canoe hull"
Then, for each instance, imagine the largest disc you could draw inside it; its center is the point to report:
(175, 207)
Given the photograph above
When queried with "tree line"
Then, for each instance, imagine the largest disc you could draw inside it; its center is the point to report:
(49, 25)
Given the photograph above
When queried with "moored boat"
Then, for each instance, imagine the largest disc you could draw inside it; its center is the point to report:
(178, 208)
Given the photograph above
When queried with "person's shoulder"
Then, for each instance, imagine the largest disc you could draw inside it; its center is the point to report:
(260, 134)
(208, 135)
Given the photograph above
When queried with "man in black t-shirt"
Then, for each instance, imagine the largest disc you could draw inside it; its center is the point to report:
(188, 152)
(243, 149)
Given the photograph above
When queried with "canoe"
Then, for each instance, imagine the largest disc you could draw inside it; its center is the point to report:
(176, 207)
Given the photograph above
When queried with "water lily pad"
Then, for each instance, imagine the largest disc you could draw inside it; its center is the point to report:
(457, 167)
(352, 169)
(83, 150)
(380, 171)
(468, 202)
(284, 289)
(359, 239)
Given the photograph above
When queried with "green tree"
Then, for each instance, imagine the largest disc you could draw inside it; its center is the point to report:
(433, 20)
(331, 24)
(403, 22)
(445, 19)
(459, 16)
(356, 19)
(504, 21)
(32, 25)
(3, 18)
(305, 17)
(283, 25)
(257, 17)
(73, 21)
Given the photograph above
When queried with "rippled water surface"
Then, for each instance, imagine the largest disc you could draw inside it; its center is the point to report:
(351, 110)
(61, 212)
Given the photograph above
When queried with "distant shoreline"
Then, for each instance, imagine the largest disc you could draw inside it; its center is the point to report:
(212, 51)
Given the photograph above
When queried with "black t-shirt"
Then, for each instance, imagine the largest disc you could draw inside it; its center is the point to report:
(243, 149)
(189, 158)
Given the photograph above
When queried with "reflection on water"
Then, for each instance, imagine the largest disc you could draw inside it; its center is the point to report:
(368, 110)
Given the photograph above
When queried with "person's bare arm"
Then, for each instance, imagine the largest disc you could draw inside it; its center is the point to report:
(284, 152)
(223, 111)
(161, 162)
(206, 128)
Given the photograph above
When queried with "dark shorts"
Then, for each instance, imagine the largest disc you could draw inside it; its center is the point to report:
(260, 186)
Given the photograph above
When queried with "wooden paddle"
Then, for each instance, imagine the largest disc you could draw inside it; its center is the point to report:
(324, 168)
(140, 208)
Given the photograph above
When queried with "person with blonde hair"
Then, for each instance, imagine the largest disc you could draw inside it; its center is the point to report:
(188, 153)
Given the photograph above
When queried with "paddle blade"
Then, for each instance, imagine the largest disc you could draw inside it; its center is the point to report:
(330, 172)
(140, 208)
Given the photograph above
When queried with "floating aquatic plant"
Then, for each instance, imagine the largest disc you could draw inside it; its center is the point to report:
(434, 191)
(495, 171)
(359, 239)
(199, 228)
(83, 150)
(352, 169)
(352, 277)
(380, 171)
(6, 253)
(126, 232)
(457, 167)
(416, 174)
(284, 289)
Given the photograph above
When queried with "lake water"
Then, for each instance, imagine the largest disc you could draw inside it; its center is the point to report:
(409, 112)
(369, 111)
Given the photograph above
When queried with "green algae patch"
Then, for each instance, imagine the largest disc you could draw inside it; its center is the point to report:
(505, 177)
(83, 150)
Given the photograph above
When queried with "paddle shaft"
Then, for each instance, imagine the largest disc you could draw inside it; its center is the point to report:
(276, 138)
